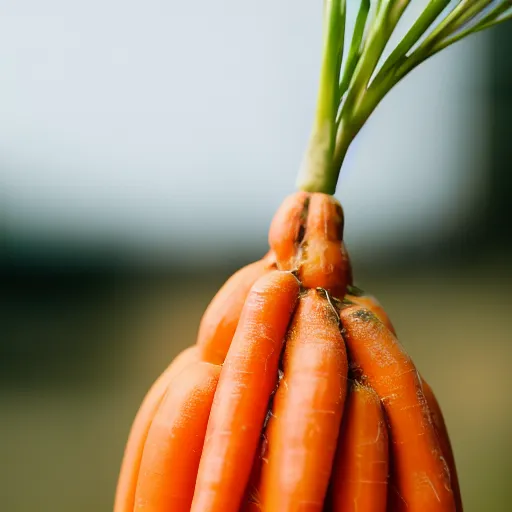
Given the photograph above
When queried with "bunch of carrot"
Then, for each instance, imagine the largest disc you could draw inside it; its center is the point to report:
(296, 397)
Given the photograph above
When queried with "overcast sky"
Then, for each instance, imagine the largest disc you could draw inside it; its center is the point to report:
(183, 123)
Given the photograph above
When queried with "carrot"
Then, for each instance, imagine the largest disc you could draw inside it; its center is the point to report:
(246, 383)
(250, 506)
(245, 329)
(360, 472)
(125, 492)
(307, 410)
(175, 440)
(325, 262)
(444, 441)
(306, 235)
(357, 296)
(420, 474)
(220, 319)
(287, 230)
(252, 498)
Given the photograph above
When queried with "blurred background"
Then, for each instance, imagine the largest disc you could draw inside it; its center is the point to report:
(144, 148)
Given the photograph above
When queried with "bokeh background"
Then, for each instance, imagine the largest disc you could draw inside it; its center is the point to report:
(144, 148)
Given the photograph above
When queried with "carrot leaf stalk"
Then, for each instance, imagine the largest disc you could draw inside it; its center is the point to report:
(347, 98)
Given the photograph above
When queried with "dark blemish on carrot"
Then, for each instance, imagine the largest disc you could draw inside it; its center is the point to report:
(365, 315)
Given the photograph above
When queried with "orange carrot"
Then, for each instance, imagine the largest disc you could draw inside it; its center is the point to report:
(220, 319)
(420, 474)
(307, 410)
(360, 472)
(173, 447)
(307, 235)
(444, 441)
(248, 378)
(125, 492)
(324, 260)
(372, 304)
(250, 507)
(287, 230)
(252, 500)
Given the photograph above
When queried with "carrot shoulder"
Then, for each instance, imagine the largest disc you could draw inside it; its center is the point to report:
(307, 410)
(173, 446)
(419, 472)
(240, 404)
(360, 472)
(125, 492)
(219, 322)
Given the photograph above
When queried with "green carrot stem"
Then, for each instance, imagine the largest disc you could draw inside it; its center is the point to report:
(346, 101)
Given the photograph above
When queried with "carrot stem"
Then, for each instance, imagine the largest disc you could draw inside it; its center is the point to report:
(317, 173)
(343, 108)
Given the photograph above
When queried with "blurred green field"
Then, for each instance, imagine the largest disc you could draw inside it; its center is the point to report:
(62, 440)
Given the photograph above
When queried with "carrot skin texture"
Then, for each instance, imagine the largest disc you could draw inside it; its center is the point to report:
(420, 473)
(306, 415)
(360, 470)
(240, 404)
(173, 446)
(129, 473)
(444, 441)
(219, 322)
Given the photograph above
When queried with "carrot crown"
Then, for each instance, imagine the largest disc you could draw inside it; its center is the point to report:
(352, 83)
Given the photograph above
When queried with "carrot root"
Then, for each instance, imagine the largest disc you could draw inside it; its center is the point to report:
(360, 472)
(325, 262)
(219, 322)
(175, 439)
(420, 474)
(444, 441)
(303, 429)
(127, 482)
(248, 378)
